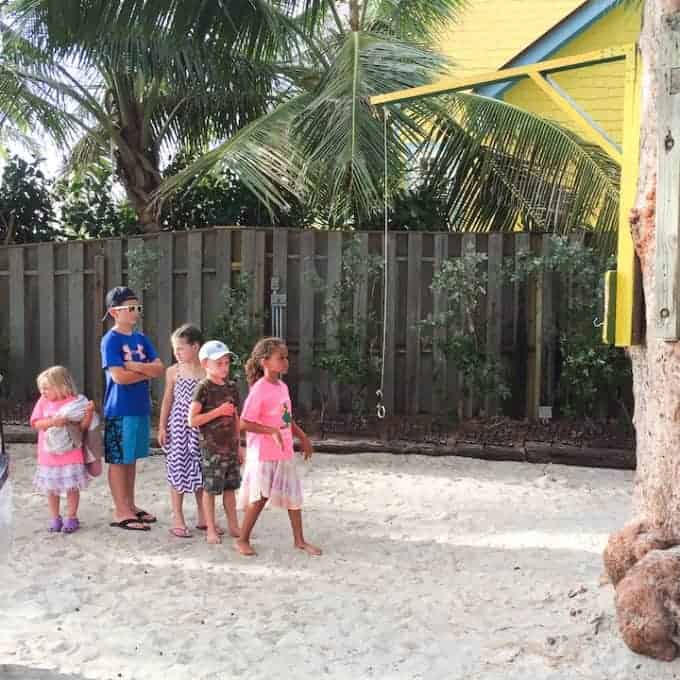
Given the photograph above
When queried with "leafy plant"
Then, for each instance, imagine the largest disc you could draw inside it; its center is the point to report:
(354, 360)
(142, 261)
(234, 325)
(590, 371)
(457, 331)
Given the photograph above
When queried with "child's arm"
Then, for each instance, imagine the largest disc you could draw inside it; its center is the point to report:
(166, 404)
(251, 426)
(153, 369)
(198, 419)
(123, 376)
(46, 423)
(305, 442)
(87, 419)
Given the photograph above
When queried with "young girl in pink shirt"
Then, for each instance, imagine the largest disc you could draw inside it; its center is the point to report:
(60, 471)
(267, 419)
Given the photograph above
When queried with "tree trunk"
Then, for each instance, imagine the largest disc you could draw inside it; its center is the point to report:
(642, 560)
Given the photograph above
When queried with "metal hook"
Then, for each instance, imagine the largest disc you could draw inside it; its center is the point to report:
(379, 407)
(597, 323)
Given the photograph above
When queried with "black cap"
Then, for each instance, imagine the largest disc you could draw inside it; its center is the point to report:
(117, 296)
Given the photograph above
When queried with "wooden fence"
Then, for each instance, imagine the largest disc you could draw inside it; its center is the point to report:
(52, 294)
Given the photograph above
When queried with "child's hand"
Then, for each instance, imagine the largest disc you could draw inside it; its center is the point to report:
(226, 409)
(89, 408)
(307, 449)
(276, 433)
(162, 436)
(58, 421)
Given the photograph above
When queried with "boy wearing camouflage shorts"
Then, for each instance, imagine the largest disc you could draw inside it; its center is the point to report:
(214, 410)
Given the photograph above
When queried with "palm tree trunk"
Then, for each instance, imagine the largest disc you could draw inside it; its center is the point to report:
(354, 22)
(641, 559)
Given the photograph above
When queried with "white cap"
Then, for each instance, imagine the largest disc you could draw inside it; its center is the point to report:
(214, 349)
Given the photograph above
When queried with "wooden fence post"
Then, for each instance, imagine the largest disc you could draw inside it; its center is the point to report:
(494, 299)
(439, 362)
(413, 316)
(333, 276)
(17, 324)
(306, 342)
(76, 312)
(46, 304)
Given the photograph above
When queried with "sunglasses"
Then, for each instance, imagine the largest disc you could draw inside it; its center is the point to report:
(130, 308)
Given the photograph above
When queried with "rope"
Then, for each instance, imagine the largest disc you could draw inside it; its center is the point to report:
(380, 407)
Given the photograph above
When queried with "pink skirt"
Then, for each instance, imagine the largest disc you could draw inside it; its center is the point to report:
(59, 479)
(276, 480)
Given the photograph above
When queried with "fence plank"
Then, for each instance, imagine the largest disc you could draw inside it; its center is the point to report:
(223, 274)
(76, 312)
(166, 292)
(280, 271)
(548, 345)
(113, 249)
(413, 316)
(248, 250)
(135, 244)
(195, 277)
(46, 304)
(468, 247)
(390, 322)
(306, 344)
(361, 290)
(98, 325)
(520, 321)
(440, 377)
(260, 291)
(494, 301)
(334, 274)
(17, 325)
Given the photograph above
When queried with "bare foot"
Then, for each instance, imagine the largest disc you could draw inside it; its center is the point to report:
(309, 548)
(235, 532)
(203, 527)
(244, 548)
(213, 538)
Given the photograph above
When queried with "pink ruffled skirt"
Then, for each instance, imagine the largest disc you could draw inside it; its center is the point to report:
(276, 480)
(59, 479)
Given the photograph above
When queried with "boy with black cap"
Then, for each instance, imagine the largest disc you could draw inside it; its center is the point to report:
(129, 361)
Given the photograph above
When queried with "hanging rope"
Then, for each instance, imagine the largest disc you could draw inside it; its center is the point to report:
(380, 407)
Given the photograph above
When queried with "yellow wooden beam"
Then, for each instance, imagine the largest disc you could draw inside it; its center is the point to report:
(549, 66)
(581, 123)
(626, 270)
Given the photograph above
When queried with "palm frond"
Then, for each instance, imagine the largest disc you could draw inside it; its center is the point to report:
(418, 21)
(499, 167)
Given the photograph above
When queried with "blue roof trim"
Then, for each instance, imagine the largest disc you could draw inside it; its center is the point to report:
(568, 29)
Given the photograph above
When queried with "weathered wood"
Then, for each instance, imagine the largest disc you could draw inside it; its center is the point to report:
(166, 287)
(95, 388)
(468, 247)
(360, 310)
(260, 283)
(520, 331)
(76, 312)
(223, 259)
(195, 277)
(548, 340)
(391, 325)
(113, 250)
(413, 316)
(280, 271)
(305, 356)
(17, 325)
(248, 265)
(136, 245)
(333, 276)
(666, 314)
(46, 304)
(440, 378)
(494, 317)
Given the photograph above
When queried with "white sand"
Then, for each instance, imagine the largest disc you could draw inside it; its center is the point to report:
(433, 568)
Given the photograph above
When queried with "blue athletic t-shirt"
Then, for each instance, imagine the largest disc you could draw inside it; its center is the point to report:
(116, 349)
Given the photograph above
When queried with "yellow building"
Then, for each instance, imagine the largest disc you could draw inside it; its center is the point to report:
(495, 34)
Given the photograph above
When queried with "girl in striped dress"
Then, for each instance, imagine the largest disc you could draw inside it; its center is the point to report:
(179, 441)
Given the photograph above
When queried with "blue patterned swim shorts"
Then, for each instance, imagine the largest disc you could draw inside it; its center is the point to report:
(126, 439)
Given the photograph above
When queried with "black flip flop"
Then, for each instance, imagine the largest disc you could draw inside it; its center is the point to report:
(125, 524)
(142, 513)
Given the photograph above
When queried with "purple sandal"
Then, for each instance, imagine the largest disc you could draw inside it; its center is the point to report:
(55, 525)
(71, 524)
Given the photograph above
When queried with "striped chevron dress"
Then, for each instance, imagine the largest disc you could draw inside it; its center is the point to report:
(183, 453)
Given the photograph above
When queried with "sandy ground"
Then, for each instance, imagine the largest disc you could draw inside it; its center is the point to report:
(433, 568)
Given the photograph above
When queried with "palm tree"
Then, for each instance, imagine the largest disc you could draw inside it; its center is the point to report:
(306, 126)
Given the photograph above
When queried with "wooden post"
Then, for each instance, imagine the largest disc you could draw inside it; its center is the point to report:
(76, 312)
(46, 304)
(468, 247)
(223, 261)
(666, 313)
(391, 324)
(166, 281)
(360, 310)
(521, 333)
(413, 316)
